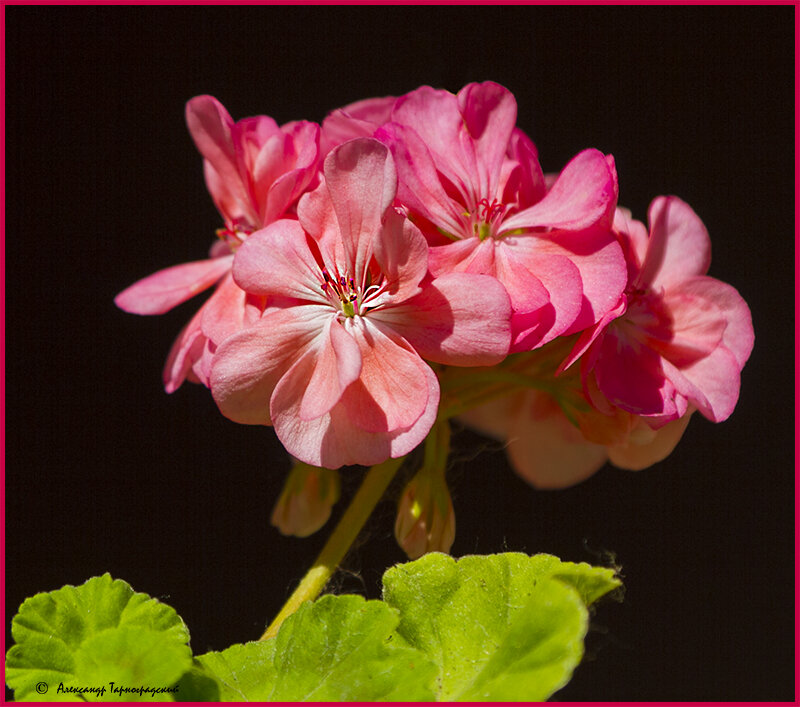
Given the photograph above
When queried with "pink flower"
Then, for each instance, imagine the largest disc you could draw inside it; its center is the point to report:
(473, 184)
(550, 452)
(677, 338)
(255, 171)
(335, 362)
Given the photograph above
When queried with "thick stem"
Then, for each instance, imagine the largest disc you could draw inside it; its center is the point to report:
(369, 493)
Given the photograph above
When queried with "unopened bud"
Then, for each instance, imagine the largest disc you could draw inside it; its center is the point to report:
(425, 518)
(305, 503)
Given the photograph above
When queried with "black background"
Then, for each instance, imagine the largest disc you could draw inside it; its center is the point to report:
(105, 472)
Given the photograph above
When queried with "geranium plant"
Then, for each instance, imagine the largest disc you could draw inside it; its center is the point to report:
(405, 263)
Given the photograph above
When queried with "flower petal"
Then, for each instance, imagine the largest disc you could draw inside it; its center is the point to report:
(636, 457)
(332, 440)
(213, 132)
(284, 169)
(489, 112)
(713, 383)
(546, 450)
(632, 377)
(585, 193)
(165, 289)
(738, 334)
(419, 186)
(226, 311)
(545, 293)
(186, 349)
(359, 119)
(392, 390)
(458, 319)
(249, 364)
(336, 365)
(362, 182)
(278, 261)
(402, 254)
(679, 245)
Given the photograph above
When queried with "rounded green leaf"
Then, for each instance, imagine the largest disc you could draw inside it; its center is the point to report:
(82, 638)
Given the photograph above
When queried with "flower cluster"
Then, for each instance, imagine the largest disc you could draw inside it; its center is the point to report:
(408, 261)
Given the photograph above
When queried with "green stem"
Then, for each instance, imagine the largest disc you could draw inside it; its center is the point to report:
(369, 493)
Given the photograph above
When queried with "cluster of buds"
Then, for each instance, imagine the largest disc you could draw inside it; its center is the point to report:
(408, 261)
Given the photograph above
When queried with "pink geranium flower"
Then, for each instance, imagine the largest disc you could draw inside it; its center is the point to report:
(550, 452)
(473, 183)
(255, 171)
(677, 338)
(336, 361)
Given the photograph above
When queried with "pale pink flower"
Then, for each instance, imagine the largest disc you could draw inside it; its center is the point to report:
(335, 363)
(255, 171)
(678, 338)
(550, 452)
(473, 184)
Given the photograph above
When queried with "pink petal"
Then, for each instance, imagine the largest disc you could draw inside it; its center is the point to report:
(212, 130)
(248, 365)
(282, 174)
(489, 112)
(402, 254)
(545, 292)
(362, 182)
(231, 200)
(632, 377)
(695, 327)
(546, 450)
(714, 383)
(435, 117)
(359, 119)
(337, 365)
(522, 181)
(601, 264)
(318, 218)
(332, 440)
(636, 457)
(591, 334)
(278, 261)
(224, 312)
(738, 334)
(495, 418)
(419, 185)
(679, 245)
(633, 238)
(163, 290)
(393, 388)
(467, 255)
(184, 352)
(458, 319)
(584, 194)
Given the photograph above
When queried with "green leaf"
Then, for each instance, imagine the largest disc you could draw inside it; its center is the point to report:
(501, 627)
(80, 638)
(338, 648)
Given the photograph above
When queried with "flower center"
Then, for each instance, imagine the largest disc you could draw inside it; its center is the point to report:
(345, 294)
(486, 217)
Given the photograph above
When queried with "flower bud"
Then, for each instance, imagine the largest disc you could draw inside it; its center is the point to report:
(425, 518)
(305, 503)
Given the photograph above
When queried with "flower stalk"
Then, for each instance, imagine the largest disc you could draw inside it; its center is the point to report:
(369, 493)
